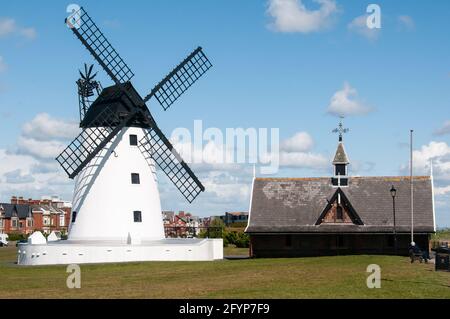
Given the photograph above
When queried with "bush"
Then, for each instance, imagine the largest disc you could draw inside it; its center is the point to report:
(238, 225)
(16, 237)
(230, 237)
(239, 239)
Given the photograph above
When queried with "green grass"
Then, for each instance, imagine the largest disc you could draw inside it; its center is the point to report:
(322, 277)
(233, 251)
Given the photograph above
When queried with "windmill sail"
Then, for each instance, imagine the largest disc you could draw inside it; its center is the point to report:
(100, 48)
(91, 141)
(156, 145)
(180, 79)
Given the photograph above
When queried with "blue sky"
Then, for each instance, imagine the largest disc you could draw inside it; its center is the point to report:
(270, 71)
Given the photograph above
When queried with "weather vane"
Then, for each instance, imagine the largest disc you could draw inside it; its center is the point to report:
(341, 130)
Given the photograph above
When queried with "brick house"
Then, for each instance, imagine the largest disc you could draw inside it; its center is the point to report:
(182, 224)
(16, 218)
(24, 216)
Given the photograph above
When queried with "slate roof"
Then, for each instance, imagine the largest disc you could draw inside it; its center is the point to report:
(295, 204)
(341, 156)
(23, 211)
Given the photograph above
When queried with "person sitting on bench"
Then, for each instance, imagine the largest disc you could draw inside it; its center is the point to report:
(416, 252)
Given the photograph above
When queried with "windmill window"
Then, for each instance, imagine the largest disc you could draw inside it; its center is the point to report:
(135, 178)
(137, 215)
(74, 217)
(133, 140)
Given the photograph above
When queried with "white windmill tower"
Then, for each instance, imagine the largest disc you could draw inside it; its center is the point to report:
(116, 211)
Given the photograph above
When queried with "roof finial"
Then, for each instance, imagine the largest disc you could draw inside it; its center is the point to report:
(340, 129)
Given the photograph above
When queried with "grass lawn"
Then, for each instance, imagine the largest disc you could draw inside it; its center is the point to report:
(233, 251)
(323, 277)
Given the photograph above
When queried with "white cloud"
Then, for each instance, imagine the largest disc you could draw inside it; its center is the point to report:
(11, 162)
(8, 26)
(2, 64)
(40, 149)
(439, 153)
(31, 170)
(43, 127)
(294, 151)
(442, 190)
(406, 22)
(345, 102)
(44, 137)
(29, 33)
(445, 129)
(359, 26)
(300, 142)
(17, 177)
(303, 160)
(293, 16)
(228, 185)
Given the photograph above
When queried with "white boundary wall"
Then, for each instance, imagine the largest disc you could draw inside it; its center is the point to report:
(72, 252)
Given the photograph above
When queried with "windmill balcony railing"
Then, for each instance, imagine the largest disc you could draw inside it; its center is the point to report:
(193, 232)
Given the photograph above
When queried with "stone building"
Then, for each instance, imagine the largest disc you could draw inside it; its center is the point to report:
(339, 214)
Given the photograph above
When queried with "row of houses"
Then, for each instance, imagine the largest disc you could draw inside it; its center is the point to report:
(184, 224)
(24, 216)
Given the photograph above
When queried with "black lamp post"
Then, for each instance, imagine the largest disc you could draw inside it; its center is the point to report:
(393, 194)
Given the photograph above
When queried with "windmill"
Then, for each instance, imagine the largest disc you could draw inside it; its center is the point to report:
(119, 135)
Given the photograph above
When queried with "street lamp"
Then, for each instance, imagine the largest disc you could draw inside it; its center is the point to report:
(393, 194)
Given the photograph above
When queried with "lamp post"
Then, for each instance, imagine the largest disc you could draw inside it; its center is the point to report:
(393, 194)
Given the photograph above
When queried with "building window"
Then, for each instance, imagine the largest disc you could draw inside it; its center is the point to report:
(61, 220)
(29, 222)
(133, 140)
(1, 223)
(135, 178)
(14, 223)
(341, 170)
(74, 216)
(137, 216)
(339, 213)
